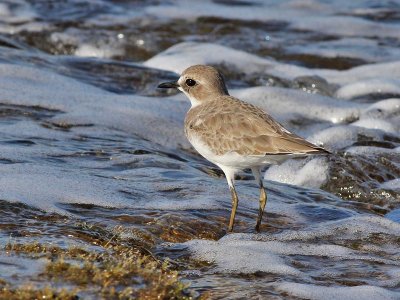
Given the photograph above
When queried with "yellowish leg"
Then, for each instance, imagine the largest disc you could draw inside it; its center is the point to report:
(263, 195)
(263, 202)
(235, 201)
(230, 178)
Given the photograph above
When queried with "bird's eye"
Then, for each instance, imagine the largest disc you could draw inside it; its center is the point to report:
(190, 82)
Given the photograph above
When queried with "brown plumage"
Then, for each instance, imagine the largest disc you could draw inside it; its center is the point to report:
(228, 124)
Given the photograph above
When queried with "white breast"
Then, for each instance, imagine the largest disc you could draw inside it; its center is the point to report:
(233, 159)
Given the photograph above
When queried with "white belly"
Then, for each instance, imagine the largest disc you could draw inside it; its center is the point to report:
(233, 159)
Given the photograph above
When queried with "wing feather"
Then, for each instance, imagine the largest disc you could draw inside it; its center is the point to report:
(231, 125)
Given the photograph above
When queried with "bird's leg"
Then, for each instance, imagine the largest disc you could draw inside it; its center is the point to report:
(230, 178)
(263, 196)
(263, 202)
(235, 201)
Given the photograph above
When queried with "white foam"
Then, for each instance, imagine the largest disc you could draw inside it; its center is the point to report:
(288, 252)
(350, 228)
(389, 70)
(382, 115)
(183, 55)
(309, 173)
(342, 136)
(242, 257)
(347, 26)
(383, 109)
(104, 51)
(352, 47)
(313, 291)
(386, 126)
(370, 150)
(369, 86)
(281, 102)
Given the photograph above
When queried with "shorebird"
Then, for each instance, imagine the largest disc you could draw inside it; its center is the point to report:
(233, 134)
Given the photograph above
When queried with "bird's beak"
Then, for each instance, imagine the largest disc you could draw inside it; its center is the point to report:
(169, 85)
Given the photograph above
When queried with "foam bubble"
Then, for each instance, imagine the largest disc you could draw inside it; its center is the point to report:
(310, 173)
(242, 257)
(370, 150)
(294, 103)
(391, 71)
(349, 47)
(382, 115)
(383, 109)
(352, 227)
(103, 51)
(369, 86)
(183, 55)
(312, 291)
(347, 26)
(290, 252)
(342, 136)
(377, 124)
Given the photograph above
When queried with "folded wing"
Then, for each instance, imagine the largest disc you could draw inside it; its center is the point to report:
(237, 126)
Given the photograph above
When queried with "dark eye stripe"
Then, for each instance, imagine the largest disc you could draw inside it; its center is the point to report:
(190, 82)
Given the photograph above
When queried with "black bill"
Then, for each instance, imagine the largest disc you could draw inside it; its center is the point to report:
(169, 85)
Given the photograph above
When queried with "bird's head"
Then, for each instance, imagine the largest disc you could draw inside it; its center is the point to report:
(200, 84)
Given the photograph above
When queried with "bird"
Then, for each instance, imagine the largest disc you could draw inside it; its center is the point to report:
(233, 134)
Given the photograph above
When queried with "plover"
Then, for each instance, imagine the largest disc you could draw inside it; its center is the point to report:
(233, 134)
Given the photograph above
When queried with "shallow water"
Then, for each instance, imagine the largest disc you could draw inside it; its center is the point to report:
(88, 144)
